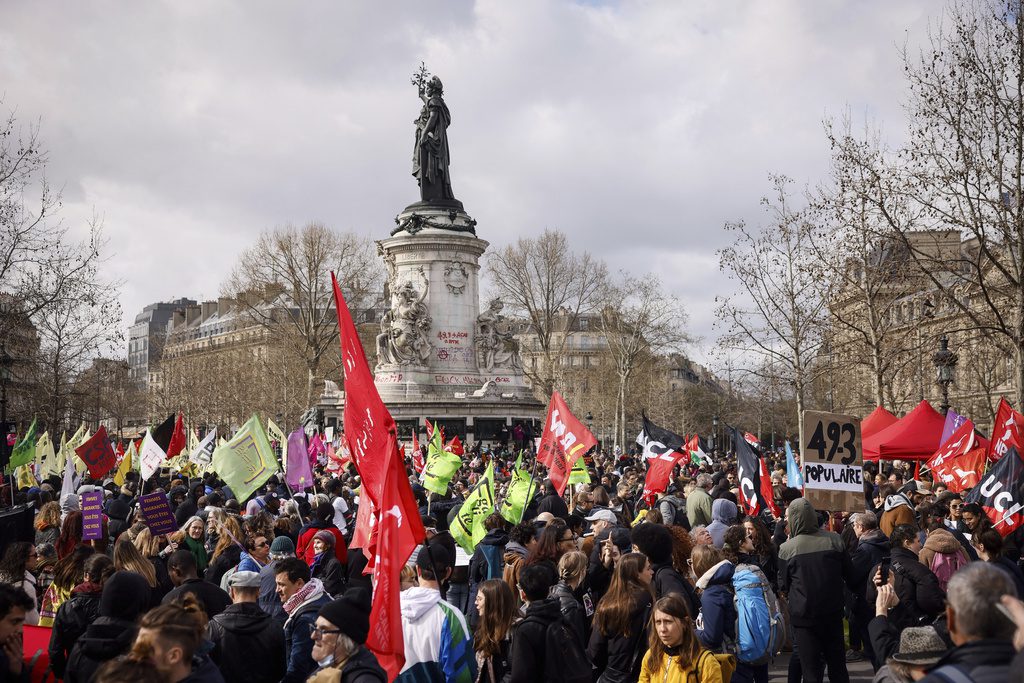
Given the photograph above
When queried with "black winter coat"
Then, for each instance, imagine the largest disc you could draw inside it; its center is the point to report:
(332, 574)
(247, 644)
(229, 558)
(572, 611)
(73, 618)
(668, 580)
(104, 639)
(619, 652)
(921, 597)
(871, 548)
(555, 505)
(526, 657)
(984, 661)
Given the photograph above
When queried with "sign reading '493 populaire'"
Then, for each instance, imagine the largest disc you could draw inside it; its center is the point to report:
(832, 461)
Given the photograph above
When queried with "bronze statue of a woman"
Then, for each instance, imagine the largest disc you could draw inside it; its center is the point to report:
(431, 159)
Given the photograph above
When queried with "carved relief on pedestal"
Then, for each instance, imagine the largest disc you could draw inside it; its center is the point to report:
(455, 277)
(496, 345)
(405, 329)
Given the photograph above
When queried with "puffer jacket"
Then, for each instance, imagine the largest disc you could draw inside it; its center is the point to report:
(247, 644)
(941, 541)
(572, 611)
(105, 639)
(72, 620)
(717, 619)
(921, 598)
(810, 564)
(723, 516)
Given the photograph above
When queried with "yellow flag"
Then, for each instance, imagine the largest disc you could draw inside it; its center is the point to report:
(26, 479)
(125, 466)
(45, 457)
(276, 434)
(80, 465)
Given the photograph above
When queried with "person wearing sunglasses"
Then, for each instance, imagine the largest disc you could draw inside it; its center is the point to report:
(256, 554)
(339, 637)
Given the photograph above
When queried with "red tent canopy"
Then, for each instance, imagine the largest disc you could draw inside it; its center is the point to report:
(879, 419)
(914, 437)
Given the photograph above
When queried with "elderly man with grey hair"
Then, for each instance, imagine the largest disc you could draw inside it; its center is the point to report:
(698, 503)
(983, 636)
(872, 546)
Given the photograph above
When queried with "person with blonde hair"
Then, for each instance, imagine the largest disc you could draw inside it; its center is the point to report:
(572, 570)
(47, 523)
(228, 551)
(675, 653)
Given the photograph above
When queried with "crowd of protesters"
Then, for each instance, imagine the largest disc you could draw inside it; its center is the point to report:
(598, 584)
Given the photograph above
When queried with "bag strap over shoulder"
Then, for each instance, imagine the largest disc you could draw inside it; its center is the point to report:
(952, 673)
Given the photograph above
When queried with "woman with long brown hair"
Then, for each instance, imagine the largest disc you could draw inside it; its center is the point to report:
(128, 558)
(78, 611)
(674, 652)
(68, 573)
(70, 534)
(496, 605)
(228, 551)
(620, 622)
(47, 523)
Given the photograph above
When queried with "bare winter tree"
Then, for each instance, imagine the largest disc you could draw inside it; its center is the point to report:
(640, 321)
(961, 176)
(775, 319)
(550, 286)
(284, 283)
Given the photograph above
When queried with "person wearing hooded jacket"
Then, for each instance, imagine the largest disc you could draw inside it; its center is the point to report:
(723, 515)
(810, 563)
(247, 644)
(897, 509)
(125, 597)
(343, 656)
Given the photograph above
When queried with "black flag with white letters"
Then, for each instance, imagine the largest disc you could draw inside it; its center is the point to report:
(1000, 493)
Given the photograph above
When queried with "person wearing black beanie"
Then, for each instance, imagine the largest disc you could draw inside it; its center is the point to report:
(126, 595)
(339, 638)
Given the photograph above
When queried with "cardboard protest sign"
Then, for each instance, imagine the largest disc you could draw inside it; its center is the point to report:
(833, 461)
(156, 512)
(92, 516)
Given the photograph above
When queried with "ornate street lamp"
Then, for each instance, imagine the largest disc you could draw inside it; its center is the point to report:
(714, 433)
(590, 422)
(945, 367)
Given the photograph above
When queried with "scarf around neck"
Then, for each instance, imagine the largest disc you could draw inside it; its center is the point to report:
(311, 590)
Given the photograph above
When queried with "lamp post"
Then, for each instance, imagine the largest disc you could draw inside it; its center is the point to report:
(590, 422)
(945, 366)
(714, 433)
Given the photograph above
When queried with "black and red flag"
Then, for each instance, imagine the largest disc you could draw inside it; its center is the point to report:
(752, 473)
(1000, 493)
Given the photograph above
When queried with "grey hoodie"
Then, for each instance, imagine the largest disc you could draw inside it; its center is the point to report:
(723, 515)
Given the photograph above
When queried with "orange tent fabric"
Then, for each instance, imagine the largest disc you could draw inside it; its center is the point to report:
(916, 436)
(879, 419)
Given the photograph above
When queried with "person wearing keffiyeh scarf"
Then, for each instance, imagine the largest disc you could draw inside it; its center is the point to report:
(302, 597)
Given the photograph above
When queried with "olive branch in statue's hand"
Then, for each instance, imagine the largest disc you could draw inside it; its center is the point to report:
(420, 78)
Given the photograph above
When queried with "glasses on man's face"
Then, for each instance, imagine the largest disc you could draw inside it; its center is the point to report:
(317, 633)
(264, 544)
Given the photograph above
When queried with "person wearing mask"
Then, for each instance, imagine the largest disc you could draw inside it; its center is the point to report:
(698, 503)
(675, 653)
(982, 636)
(182, 568)
(921, 598)
(247, 644)
(339, 637)
(171, 636)
(496, 609)
(15, 603)
(301, 598)
(125, 597)
(281, 549)
(78, 611)
(619, 635)
(811, 563)
(437, 640)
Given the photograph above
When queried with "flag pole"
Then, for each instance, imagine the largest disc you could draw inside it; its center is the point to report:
(529, 489)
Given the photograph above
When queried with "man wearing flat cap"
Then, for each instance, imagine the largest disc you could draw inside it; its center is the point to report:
(339, 637)
(247, 644)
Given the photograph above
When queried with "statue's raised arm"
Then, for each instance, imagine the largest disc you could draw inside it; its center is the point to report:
(431, 160)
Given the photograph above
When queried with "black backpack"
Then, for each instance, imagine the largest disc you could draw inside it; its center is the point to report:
(564, 658)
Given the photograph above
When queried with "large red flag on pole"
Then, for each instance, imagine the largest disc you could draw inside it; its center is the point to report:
(564, 440)
(177, 443)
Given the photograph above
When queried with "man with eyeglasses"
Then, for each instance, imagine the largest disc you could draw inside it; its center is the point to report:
(247, 644)
(256, 554)
(339, 637)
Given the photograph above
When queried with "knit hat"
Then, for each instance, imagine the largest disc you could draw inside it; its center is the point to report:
(325, 536)
(350, 614)
(282, 545)
(920, 646)
(126, 595)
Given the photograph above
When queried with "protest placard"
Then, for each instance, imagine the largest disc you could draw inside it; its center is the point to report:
(156, 512)
(92, 516)
(832, 461)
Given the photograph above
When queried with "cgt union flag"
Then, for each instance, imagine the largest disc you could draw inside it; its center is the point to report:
(1006, 432)
(1000, 493)
(565, 439)
(662, 450)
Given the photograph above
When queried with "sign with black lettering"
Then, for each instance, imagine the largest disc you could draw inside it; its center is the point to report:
(833, 461)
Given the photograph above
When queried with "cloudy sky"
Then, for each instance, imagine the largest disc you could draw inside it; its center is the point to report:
(637, 128)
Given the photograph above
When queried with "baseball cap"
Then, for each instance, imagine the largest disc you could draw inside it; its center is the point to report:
(603, 516)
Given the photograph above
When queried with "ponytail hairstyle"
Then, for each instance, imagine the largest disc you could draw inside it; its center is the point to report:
(181, 623)
(98, 568)
(572, 567)
(135, 667)
(689, 647)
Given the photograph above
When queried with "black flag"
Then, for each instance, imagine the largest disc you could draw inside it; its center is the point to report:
(163, 432)
(658, 441)
(1000, 493)
(750, 476)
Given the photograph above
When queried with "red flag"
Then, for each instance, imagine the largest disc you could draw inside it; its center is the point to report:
(368, 426)
(396, 534)
(659, 471)
(962, 471)
(455, 446)
(565, 439)
(959, 442)
(177, 443)
(751, 439)
(1006, 432)
(767, 493)
(97, 453)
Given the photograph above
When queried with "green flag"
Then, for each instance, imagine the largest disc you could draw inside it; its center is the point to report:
(468, 526)
(518, 496)
(441, 465)
(25, 450)
(246, 461)
(580, 474)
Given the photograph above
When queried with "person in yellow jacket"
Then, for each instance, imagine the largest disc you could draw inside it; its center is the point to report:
(675, 655)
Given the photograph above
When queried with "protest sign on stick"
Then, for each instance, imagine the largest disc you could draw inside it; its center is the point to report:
(92, 516)
(833, 461)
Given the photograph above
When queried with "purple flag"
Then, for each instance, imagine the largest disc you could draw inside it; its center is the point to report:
(316, 447)
(953, 422)
(298, 473)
